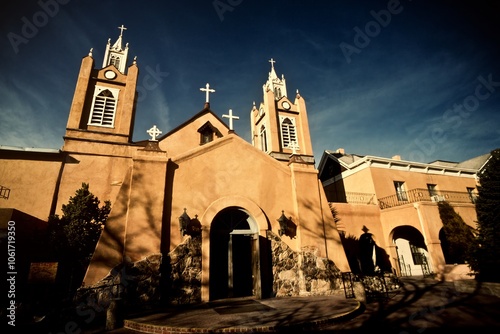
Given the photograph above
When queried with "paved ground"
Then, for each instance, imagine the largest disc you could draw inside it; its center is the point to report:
(421, 306)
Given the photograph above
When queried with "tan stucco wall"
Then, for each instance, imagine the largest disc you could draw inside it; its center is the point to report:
(383, 179)
(361, 181)
(229, 167)
(468, 213)
(354, 216)
(32, 184)
(104, 174)
(135, 224)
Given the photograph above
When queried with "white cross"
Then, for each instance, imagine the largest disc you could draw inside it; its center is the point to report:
(231, 117)
(154, 132)
(121, 29)
(208, 91)
(294, 146)
(272, 61)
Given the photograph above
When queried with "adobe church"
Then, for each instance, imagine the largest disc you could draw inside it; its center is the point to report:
(186, 219)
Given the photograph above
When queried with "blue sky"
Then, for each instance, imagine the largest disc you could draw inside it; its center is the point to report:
(420, 79)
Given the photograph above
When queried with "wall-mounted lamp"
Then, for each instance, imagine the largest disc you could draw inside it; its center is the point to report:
(184, 221)
(287, 227)
(189, 226)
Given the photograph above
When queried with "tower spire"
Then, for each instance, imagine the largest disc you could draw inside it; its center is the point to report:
(118, 44)
(116, 54)
(275, 84)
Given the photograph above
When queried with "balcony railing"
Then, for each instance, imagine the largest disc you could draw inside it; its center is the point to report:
(423, 195)
(4, 192)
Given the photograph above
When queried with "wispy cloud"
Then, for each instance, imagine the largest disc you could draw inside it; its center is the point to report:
(22, 125)
(155, 112)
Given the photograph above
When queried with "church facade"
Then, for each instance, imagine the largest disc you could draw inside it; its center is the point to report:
(188, 224)
(258, 224)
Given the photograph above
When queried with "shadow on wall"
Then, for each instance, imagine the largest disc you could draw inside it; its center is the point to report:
(364, 256)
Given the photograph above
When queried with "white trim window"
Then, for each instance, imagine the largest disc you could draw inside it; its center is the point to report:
(400, 191)
(263, 138)
(115, 60)
(104, 106)
(288, 132)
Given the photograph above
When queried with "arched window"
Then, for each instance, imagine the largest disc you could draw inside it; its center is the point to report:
(263, 138)
(277, 93)
(288, 132)
(115, 60)
(103, 107)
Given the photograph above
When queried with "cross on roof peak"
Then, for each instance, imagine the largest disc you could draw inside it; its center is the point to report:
(231, 117)
(154, 132)
(208, 90)
(272, 61)
(121, 29)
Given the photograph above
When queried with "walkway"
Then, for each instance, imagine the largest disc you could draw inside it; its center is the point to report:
(422, 306)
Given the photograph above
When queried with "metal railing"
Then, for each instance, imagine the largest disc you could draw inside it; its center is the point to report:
(423, 195)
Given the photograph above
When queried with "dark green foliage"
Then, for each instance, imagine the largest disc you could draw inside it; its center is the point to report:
(74, 236)
(487, 253)
(457, 235)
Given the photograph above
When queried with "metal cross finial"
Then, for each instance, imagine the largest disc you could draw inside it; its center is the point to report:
(231, 117)
(208, 91)
(154, 132)
(272, 61)
(121, 29)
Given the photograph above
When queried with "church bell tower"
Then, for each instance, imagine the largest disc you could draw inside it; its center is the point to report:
(104, 102)
(280, 126)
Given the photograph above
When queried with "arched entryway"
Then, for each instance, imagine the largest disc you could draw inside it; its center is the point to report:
(234, 254)
(413, 257)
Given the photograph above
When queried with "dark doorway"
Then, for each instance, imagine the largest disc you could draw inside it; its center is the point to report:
(242, 265)
(231, 255)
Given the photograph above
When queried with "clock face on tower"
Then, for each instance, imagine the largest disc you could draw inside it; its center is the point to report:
(285, 105)
(110, 75)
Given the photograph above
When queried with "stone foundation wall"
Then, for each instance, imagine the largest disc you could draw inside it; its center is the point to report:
(183, 273)
(302, 273)
(155, 280)
(134, 283)
(176, 278)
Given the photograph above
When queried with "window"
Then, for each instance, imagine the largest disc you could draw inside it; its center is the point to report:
(472, 195)
(432, 189)
(288, 133)
(207, 136)
(400, 190)
(277, 93)
(207, 133)
(103, 107)
(115, 60)
(263, 138)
